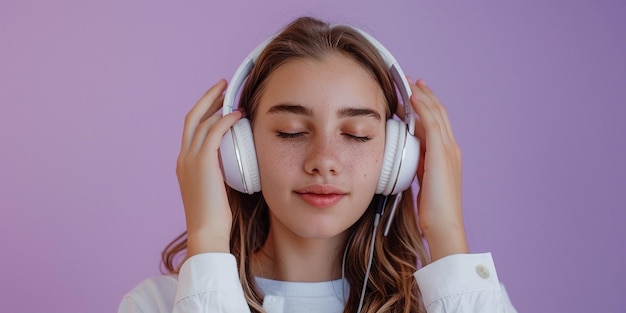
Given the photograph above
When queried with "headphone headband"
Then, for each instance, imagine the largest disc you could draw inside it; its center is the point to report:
(394, 68)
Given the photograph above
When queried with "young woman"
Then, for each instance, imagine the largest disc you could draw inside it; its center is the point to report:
(320, 101)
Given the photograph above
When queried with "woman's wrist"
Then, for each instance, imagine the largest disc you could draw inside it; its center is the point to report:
(445, 241)
(205, 242)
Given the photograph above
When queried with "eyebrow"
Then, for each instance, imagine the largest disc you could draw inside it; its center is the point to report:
(345, 112)
(290, 108)
(355, 112)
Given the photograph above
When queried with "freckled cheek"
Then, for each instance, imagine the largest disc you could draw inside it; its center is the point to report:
(275, 161)
(366, 164)
(375, 168)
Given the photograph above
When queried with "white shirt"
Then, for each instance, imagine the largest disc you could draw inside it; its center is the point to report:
(209, 283)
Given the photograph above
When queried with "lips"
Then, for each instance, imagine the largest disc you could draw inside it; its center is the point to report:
(321, 196)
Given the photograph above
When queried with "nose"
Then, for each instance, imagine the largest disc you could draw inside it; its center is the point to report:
(322, 156)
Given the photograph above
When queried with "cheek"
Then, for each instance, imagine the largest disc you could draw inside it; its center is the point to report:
(366, 163)
(274, 161)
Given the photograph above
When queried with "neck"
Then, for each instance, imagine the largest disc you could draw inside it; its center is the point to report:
(288, 257)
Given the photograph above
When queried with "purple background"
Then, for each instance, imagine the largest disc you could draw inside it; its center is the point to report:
(93, 96)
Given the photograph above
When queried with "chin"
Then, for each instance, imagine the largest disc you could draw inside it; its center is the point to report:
(319, 228)
(307, 222)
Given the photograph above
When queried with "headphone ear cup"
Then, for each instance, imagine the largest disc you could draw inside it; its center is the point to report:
(409, 160)
(399, 159)
(392, 140)
(238, 156)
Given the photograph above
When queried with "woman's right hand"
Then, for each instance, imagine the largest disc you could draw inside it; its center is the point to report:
(207, 211)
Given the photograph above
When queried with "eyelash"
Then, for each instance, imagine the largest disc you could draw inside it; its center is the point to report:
(289, 135)
(359, 139)
(296, 135)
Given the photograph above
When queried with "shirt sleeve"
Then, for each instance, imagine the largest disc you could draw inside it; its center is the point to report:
(209, 282)
(129, 305)
(463, 283)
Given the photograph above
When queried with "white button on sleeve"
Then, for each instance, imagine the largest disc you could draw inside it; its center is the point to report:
(462, 283)
(482, 271)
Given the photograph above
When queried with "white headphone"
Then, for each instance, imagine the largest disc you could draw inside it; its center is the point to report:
(238, 155)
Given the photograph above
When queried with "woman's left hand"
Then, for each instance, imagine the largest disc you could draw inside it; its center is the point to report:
(439, 175)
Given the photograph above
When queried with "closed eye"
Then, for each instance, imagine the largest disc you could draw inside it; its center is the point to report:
(300, 134)
(358, 138)
(289, 135)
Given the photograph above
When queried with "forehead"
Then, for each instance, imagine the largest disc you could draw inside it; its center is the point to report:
(332, 82)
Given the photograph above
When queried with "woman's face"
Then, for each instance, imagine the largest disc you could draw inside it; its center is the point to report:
(319, 135)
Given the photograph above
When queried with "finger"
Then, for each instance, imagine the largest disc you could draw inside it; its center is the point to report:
(428, 127)
(214, 108)
(434, 150)
(213, 139)
(205, 123)
(441, 109)
(201, 132)
(431, 104)
(204, 105)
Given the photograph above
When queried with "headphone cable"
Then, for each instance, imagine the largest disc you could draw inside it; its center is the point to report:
(379, 212)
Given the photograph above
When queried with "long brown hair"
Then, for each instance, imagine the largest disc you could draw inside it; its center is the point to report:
(391, 286)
